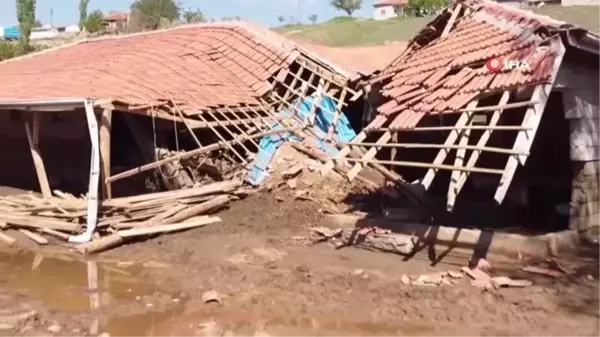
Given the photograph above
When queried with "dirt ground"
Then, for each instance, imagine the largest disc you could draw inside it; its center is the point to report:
(271, 281)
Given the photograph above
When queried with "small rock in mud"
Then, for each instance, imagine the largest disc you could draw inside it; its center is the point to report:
(54, 328)
(590, 277)
(104, 334)
(358, 272)
(6, 326)
(404, 279)
(211, 297)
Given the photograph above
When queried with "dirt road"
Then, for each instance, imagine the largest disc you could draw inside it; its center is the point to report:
(270, 281)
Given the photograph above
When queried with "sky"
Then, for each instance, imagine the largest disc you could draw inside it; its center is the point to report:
(265, 12)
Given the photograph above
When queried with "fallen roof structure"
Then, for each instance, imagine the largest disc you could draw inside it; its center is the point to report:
(451, 86)
(236, 89)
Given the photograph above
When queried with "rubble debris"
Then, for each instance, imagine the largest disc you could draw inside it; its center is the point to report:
(370, 238)
(119, 218)
(454, 274)
(404, 279)
(292, 183)
(503, 281)
(543, 271)
(293, 171)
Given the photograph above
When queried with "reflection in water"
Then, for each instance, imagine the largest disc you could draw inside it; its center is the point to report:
(67, 284)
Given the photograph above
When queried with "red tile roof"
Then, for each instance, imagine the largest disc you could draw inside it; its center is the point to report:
(449, 72)
(116, 16)
(199, 66)
(378, 3)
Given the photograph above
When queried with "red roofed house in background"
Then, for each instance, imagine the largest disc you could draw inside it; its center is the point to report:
(387, 9)
(116, 20)
(451, 118)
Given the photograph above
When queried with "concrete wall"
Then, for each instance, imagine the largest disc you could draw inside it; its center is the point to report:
(580, 96)
(580, 2)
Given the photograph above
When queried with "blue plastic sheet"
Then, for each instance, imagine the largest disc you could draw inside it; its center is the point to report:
(268, 145)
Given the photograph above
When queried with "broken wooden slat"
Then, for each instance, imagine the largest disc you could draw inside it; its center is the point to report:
(168, 228)
(532, 119)
(451, 21)
(104, 136)
(458, 161)
(441, 156)
(368, 156)
(40, 240)
(7, 239)
(39, 222)
(430, 166)
(438, 146)
(33, 135)
(485, 136)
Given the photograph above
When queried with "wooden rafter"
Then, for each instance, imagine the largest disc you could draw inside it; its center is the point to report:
(32, 129)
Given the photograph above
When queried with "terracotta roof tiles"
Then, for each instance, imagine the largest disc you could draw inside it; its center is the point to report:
(198, 66)
(449, 72)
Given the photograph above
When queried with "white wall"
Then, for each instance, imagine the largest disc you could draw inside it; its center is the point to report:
(384, 12)
(580, 2)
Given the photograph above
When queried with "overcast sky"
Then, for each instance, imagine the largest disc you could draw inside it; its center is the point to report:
(261, 11)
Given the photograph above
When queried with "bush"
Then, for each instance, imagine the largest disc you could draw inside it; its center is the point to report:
(342, 19)
(10, 49)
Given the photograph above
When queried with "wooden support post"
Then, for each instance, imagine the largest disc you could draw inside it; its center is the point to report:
(345, 151)
(32, 128)
(458, 161)
(394, 150)
(368, 156)
(463, 120)
(533, 117)
(337, 113)
(105, 151)
(476, 153)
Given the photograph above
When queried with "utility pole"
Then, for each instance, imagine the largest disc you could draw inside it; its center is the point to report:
(51, 17)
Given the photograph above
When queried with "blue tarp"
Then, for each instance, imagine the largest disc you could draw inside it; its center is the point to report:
(324, 118)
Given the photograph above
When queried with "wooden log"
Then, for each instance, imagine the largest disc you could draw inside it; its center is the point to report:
(105, 151)
(370, 154)
(218, 187)
(390, 243)
(33, 135)
(39, 222)
(199, 209)
(201, 221)
(40, 240)
(56, 234)
(451, 21)
(7, 239)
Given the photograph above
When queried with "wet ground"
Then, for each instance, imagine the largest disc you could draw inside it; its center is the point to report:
(271, 281)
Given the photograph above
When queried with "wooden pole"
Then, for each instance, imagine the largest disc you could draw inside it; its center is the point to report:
(105, 151)
(33, 135)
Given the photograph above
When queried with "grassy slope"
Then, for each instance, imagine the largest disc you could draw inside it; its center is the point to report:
(356, 33)
(362, 32)
(584, 16)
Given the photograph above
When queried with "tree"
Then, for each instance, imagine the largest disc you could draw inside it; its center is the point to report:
(424, 7)
(83, 13)
(26, 18)
(281, 18)
(313, 18)
(95, 21)
(192, 16)
(348, 6)
(150, 12)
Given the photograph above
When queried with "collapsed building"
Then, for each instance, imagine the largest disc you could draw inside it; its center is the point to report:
(170, 109)
(494, 112)
(129, 132)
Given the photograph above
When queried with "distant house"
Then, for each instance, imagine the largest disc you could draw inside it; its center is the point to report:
(385, 9)
(116, 20)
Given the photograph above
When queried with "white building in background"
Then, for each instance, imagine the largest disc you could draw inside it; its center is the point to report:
(386, 9)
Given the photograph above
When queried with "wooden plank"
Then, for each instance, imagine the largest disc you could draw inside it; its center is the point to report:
(463, 120)
(345, 151)
(40, 240)
(39, 222)
(451, 128)
(451, 21)
(533, 117)
(458, 161)
(337, 113)
(394, 151)
(485, 136)
(437, 146)
(105, 152)
(202, 221)
(428, 165)
(368, 156)
(33, 134)
(7, 239)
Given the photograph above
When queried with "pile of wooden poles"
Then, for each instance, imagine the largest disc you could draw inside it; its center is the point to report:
(119, 219)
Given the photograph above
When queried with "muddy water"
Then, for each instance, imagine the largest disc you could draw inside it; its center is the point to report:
(107, 291)
(114, 298)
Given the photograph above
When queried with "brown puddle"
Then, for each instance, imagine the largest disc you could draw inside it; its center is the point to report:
(67, 285)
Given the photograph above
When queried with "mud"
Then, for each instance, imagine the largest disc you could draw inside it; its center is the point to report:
(272, 281)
